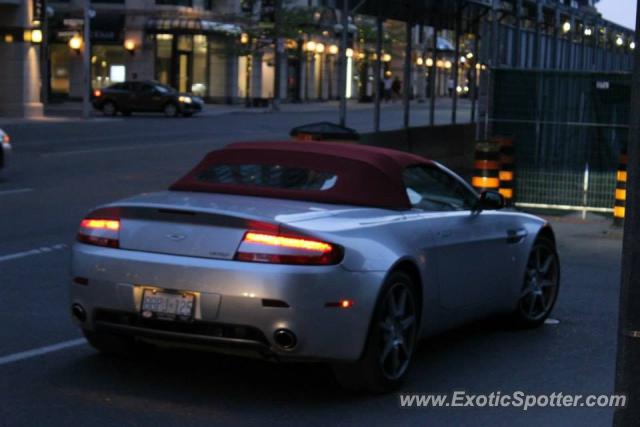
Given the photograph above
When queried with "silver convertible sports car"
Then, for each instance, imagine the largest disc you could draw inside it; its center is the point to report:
(309, 251)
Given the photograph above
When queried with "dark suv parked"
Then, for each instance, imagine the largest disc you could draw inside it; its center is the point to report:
(145, 96)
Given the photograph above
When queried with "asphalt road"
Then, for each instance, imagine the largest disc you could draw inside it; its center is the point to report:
(63, 169)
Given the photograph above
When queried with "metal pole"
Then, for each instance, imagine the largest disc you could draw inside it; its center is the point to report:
(556, 39)
(86, 60)
(517, 43)
(44, 55)
(279, 45)
(456, 70)
(627, 366)
(432, 79)
(474, 76)
(538, 47)
(378, 68)
(495, 36)
(343, 63)
(407, 72)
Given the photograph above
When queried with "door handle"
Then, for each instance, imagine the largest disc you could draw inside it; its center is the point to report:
(516, 236)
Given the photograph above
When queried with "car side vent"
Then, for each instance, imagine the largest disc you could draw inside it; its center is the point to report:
(274, 303)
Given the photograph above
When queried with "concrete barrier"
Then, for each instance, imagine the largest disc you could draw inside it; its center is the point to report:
(451, 145)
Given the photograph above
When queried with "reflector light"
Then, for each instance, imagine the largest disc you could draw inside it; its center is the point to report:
(506, 176)
(622, 176)
(287, 242)
(345, 303)
(103, 224)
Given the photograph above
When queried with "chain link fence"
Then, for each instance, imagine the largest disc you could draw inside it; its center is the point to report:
(569, 130)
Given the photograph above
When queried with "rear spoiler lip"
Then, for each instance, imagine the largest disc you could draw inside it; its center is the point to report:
(170, 213)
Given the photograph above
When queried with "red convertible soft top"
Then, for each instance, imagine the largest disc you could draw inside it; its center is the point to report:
(366, 176)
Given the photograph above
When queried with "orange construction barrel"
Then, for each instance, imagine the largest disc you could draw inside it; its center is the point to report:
(621, 191)
(507, 169)
(486, 167)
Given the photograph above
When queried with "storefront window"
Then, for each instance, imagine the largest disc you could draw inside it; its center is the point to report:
(60, 69)
(199, 81)
(107, 65)
(163, 58)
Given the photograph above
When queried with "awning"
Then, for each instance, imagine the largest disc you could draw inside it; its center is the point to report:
(191, 26)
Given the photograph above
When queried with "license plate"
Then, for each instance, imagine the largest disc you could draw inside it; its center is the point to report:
(167, 305)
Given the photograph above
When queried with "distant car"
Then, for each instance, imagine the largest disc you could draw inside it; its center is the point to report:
(145, 96)
(309, 251)
(5, 151)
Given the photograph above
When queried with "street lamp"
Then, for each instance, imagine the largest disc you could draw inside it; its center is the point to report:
(311, 46)
(36, 35)
(130, 46)
(419, 61)
(619, 41)
(588, 31)
(386, 57)
(333, 49)
(429, 62)
(76, 43)
(319, 48)
(566, 27)
(244, 38)
(632, 45)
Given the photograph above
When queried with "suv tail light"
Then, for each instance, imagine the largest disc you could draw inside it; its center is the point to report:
(100, 229)
(97, 93)
(287, 249)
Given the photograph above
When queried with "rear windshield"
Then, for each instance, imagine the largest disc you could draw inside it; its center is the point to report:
(273, 176)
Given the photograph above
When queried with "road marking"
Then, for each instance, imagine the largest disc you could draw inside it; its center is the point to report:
(16, 357)
(17, 191)
(38, 251)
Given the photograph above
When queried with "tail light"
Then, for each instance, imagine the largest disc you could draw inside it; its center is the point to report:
(287, 249)
(97, 93)
(100, 228)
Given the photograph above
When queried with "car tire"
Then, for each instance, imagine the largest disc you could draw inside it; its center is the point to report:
(114, 345)
(391, 340)
(109, 109)
(539, 292)
(170, 110)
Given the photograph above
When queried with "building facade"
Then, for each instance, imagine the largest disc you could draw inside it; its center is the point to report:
(225, 50)
(19, 59)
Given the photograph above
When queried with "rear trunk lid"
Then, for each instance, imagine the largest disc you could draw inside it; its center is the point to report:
(208, 225)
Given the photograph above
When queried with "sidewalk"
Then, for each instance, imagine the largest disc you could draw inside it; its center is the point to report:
(71, 111)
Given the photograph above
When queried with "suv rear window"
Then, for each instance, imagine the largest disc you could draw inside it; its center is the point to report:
(273, 176)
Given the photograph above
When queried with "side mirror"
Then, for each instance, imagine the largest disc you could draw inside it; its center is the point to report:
(490, 200)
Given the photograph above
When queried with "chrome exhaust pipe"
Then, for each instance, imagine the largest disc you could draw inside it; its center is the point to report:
(78, 312)
(285, 339)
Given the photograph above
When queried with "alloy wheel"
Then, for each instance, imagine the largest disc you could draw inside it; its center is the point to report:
(170, 110)
(541, 283)
(397, 329)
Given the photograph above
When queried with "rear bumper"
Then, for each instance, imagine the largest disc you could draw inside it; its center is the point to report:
(229, 294)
